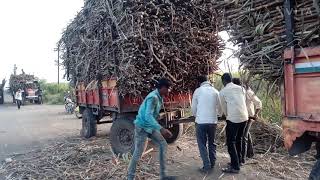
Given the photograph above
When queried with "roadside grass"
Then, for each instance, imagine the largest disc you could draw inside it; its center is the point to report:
(53, 93)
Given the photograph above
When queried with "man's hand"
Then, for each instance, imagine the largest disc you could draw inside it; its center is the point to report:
(165, 133)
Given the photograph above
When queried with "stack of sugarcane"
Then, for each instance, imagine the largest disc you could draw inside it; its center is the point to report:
(19, 81)
(258, 26)
(2, 84)
(140, 41)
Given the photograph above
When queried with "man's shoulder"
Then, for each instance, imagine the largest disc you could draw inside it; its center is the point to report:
(153, 95)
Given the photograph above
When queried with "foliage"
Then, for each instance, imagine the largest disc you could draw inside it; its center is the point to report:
(53, 93)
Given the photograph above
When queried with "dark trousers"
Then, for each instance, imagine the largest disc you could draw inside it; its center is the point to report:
(318, 150)
(247, 146)
(234, 133)
(19, 103)
(206, 135)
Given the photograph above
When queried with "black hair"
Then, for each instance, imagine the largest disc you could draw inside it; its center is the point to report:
(236, 81)
(202, 79)
(226, 77)
(163, 83)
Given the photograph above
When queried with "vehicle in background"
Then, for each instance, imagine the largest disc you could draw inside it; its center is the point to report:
(2, 91)
(69, 105)
(301, 101)
(32, 92)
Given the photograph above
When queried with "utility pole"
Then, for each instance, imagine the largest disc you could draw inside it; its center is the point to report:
(58, 63)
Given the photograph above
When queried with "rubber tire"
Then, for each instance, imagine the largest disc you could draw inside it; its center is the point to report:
(315, 172)
(119, 125)
(177, 131)
(89, 124)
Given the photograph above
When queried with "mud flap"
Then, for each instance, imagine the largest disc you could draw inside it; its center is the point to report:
(301, 144)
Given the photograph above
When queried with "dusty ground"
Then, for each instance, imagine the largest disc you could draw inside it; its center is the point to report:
(35, 133)
(32, 127)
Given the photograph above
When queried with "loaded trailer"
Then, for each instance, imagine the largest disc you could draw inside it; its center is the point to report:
(101, 99)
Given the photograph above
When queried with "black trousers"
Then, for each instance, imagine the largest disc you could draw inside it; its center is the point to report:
(318, 150)
(234, 133)
(247, 146)
(19, 103)
(206, 135)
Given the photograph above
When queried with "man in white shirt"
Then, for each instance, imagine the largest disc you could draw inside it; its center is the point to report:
(205, 104)
(18, 97)
(254, 106)
(233, 104)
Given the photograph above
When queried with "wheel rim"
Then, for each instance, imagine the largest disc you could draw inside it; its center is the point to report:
(126, 138)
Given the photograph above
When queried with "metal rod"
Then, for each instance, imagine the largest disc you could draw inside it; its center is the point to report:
(288, 15)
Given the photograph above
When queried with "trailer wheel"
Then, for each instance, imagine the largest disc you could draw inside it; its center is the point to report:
(89, 124)
(176, 130)
(122, 136)
(315, 172)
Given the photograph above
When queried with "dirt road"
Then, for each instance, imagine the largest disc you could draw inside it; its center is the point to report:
(33, 126)
(37, 126)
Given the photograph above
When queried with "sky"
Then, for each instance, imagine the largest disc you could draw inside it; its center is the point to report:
(30, 30)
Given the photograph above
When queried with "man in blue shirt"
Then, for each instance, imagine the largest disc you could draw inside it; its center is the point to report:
(147, 126)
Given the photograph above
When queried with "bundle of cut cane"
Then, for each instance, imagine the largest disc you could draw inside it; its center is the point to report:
(258, 26)
(20, 81)
(140, 41)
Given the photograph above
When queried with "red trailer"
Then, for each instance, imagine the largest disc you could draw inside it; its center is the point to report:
(301, 101)
(101, 99)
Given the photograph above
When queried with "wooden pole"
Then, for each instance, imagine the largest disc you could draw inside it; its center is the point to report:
(58, 63)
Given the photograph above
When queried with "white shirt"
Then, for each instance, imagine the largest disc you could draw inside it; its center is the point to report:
(18, 96)
(206, 104)
(253, 102)
(233, 102)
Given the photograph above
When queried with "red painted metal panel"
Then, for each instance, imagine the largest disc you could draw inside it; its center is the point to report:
(111, 99)
(307, 93)
(89, 97)
(96, 97)
(301, 53)
(289, 89)
(302, 95)
(105, 97)
(83, 97)
(292, 129)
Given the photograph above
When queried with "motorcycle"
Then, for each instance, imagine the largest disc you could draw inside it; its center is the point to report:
(69, 105)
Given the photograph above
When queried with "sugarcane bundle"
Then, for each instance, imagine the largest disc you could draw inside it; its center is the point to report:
(21, 81)
(140, 41)
(258, 26)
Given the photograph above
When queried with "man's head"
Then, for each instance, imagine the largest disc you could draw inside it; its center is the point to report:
(236, 81)
(19, 90)
(226, 78)
(163, 86)
(202, 79)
